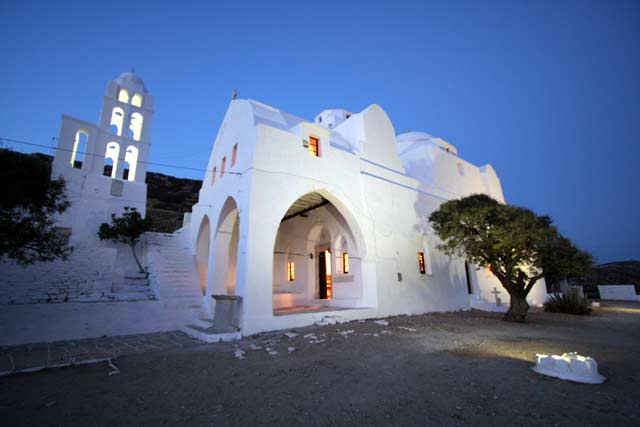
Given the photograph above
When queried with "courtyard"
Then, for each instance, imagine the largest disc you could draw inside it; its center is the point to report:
(463, 368)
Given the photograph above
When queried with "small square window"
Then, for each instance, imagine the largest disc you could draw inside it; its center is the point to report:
(314, 146)
(291, 271)
(421, 265)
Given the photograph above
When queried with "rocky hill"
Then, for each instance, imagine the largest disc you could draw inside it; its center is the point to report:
(168, 197)
(612, 273)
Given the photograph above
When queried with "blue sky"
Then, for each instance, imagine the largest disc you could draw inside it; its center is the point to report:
(547, 92)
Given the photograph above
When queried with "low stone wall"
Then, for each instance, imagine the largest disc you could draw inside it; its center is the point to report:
(86, 277)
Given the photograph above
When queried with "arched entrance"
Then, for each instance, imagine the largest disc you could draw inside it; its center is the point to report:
(226, 249)
(202, 252)
(316, 260)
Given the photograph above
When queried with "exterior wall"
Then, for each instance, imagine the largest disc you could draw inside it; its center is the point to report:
(87, 276)
(94, 267)
(385, 199)
(93, 196)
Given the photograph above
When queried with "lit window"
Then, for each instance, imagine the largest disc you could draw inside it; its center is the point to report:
(423, 270)
(123, 96)
(234, 155)
(314, 146)
(213, 175)
(345, 263)
(79, 148)
(224, 160)
(291, 271)
(136, 100)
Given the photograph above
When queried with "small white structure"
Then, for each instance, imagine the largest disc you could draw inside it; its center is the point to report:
(104, 165)
(618, 292)
(569, 366)
(299, 218)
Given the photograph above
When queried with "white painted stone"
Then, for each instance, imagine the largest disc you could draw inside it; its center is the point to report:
(381, 322)
(618, 292)
(569, 366)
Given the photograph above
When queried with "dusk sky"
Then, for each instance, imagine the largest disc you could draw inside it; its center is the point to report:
(546, 92)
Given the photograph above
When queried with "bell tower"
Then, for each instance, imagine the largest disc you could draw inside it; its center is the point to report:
(104, 165)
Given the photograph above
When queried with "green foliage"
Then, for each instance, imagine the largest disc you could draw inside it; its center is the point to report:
(518, 246)
(570, 303)
(29, 200)
(126, 229)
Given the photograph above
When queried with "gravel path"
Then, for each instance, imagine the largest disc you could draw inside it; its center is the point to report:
(457, 369)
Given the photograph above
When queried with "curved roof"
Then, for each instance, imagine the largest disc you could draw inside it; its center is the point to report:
(131, 79)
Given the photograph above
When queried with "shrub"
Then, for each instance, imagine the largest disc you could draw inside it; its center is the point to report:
(570, 303)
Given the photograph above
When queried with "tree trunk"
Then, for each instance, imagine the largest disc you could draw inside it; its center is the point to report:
(518, 308)
(133, 250)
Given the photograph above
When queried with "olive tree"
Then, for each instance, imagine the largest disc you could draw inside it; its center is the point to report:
(126, 229)
(29, 203)
(518, 246)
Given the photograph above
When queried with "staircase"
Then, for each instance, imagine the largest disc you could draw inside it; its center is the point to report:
(173, 276)
(174, 279)
(135, 287)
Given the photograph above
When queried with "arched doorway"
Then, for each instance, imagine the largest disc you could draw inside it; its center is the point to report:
(202, 253)
(226, 249)
(314, 244)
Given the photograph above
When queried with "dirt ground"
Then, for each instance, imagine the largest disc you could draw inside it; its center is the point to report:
(466, 368)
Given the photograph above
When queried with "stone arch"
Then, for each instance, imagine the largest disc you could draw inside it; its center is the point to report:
(136, 100)
(226, 241)
(311, 226)
(79, 148)
(117, 121)
(131, 159)
(203, 242)
(111, 159)
(135, 126)
(123, 95)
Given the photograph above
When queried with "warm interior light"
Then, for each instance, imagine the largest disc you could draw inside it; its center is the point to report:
(345, 263)
(291, 271)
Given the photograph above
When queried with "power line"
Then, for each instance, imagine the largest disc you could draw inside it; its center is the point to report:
(166, 165)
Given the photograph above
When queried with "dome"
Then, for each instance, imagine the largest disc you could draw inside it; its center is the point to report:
(130, 79)
(413, 136)
(409, 138)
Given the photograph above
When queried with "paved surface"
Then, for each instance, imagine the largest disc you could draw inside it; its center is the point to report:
(32, 357)
(442, 369)
(37, 323)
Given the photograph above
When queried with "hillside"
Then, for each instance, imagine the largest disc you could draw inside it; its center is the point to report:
(168, 197)
(612, 273)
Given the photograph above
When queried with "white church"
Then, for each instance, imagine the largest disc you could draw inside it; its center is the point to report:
(298, 220)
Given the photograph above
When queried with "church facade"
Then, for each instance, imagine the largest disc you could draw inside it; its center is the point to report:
(296, 221)
(306, 219)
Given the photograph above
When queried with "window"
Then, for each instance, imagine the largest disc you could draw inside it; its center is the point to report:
(213, 175)
(123, 96)
(421, 265)
(291, 271)
(136, 100)
(345, 263)
(460, 168)
(111, 159)
(79, 148)
(314, 146)
(135, 126)
(234, 155)
(117, 120)
(224, 160)
(131, 159)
